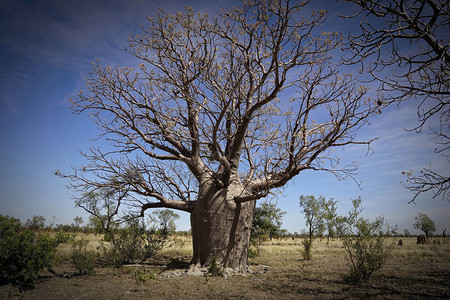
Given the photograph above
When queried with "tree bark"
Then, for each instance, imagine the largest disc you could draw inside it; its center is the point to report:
(221, 229)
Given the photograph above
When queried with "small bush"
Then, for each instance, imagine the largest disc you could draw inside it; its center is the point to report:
(131, 244)
(366, 249)
(63, 237)
(83, 260)
(124, 246)
(143, 275)
(307, 244)
(152, 242)
(214, 269)
(23, 253)
(253, 250)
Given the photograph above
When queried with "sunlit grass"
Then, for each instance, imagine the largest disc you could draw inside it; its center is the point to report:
(181, 246)
(64, 250)
(178, 246)
(289, 246)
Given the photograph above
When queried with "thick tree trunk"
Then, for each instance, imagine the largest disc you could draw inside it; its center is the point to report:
(221, 229)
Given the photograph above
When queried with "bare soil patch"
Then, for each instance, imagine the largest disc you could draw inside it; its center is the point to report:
(412, 272)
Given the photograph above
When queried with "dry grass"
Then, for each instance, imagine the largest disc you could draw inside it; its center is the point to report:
(413, 272)
(178, 246)
(295, 247)
(94, 241)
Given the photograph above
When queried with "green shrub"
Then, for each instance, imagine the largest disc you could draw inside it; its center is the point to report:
(131, 244)
(152, 242)
(365, 245)
(366, 250)
(143, 275)
(253, 250)
(83, 260)
(23, 253)
(214, 269)
(64, 237)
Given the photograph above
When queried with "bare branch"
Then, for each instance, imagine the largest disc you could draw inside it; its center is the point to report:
(415, 34)
(244, 102)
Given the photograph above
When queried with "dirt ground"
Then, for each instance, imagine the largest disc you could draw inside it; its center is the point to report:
(412, 272)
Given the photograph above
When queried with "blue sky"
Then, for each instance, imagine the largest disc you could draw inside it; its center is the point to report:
(46, 48)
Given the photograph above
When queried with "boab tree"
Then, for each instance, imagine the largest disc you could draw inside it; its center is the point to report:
(219, 113)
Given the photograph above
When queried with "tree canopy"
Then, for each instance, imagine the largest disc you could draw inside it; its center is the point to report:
(267, 220)
(314, 211)
(252, 97)
(425, 224)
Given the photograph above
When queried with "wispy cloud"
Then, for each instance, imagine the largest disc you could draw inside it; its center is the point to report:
(69, 33)
(59, 33)
(395, 146)
(8, 104)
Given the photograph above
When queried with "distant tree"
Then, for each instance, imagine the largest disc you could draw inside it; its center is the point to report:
(329, 216)
(313, 210)
(406, 233)
(267, 219)
(96, 225)
(343, 224)
(391, 230)
(266, 223)
(52, 223)
(284, 233)
(424, 223)
(217, 113)
(404, 45)
(103, 205)
(77, 221)
(36, 223)
(165, 221)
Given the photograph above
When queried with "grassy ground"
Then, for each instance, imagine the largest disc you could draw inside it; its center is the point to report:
(412, 272)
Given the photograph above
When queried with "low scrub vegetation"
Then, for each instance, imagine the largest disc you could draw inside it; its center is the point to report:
(23, 252)
(281, 273)
(82, 259)
(364, 243)
(354, 251)
(143, 275)
(366, 251)
(132, 244)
